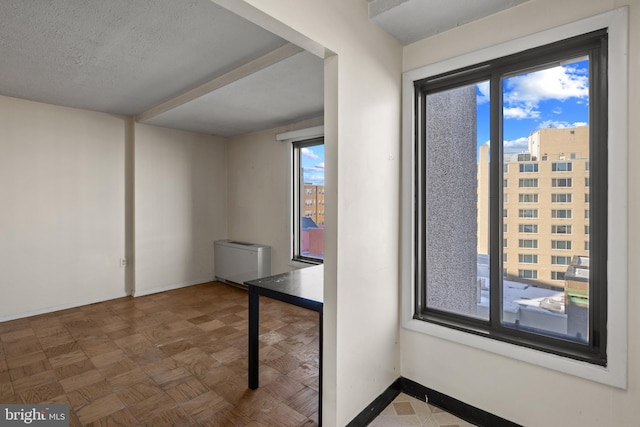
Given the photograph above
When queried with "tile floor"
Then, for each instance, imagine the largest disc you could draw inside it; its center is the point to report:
(408, 411)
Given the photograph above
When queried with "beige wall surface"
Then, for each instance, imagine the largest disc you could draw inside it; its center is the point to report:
(521, 392)
(62, 215)
(259, 204)
(180, 207)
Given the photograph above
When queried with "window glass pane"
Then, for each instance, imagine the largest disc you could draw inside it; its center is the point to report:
(546, 120)
(456, 217)
(310, 201)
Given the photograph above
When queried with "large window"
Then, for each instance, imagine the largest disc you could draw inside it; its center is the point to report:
(308, 200)
(546, 103)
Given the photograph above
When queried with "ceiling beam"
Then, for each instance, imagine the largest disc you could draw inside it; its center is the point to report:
(234, 75)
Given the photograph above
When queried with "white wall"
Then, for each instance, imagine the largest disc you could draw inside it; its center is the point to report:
(180, 207)
(518, 391)
(258, 192)
(62, 207)
(362, 133)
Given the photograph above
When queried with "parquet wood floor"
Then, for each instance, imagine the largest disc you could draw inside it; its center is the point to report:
(177, 358)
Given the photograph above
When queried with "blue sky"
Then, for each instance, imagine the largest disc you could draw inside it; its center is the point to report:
(554, 97)
(312, 159)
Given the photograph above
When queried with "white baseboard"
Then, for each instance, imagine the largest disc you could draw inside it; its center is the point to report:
(74, 304)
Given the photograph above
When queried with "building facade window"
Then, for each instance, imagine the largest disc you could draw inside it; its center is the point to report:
(560, 260)
(561, 213)
(527, 198)
(528, 228)
(485, 93)
(528, 167)
(561, 182)
(528, 213)
(527, 274)
(561, 198)
(561, 245)
(528, 243)
(561, 166)
(528, 182)
(557, 275)
(308, 196)
(528, 258)
(560, 229)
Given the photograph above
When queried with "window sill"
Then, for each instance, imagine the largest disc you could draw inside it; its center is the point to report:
(610, 375)
(302, 264)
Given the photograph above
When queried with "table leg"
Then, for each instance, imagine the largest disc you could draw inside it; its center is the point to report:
(254, 307)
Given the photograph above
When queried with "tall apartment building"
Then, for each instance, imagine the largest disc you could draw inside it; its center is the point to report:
(546, 206)
(313, 203)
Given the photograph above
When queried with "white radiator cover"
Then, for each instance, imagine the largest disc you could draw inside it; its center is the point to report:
(238, 262)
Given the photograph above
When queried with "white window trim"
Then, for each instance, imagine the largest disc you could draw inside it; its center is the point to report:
(289, 138)
(615, 373)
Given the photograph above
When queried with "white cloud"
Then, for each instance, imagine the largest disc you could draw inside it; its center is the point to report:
(559, 124)
(523, 93)
(307, 152)
(516, 145)
(521, 112)
(558, 83)
(484, 95)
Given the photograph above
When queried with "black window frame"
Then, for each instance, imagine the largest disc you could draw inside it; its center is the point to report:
(298, 183)
(593, 44)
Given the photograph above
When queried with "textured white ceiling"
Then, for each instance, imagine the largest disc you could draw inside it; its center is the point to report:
(127, 56)
(136, 57)
(412, 20)
(290, 90)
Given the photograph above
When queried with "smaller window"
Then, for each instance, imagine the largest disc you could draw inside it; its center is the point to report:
(308, 219)
(528, 243)
(528, 228)
(561, 182)
(560, 229)
(557, 275)
(561, 244)
(505, 183)
(528, 182)
(527, 258)
(586, 197)
(561, 198)
(504, 243)
(505, 212)
(528, 198)
(524, 157)
(586, 181)
(561, 213)
(561, 167)
(528, 167)
(586, 245)
(586, 229)
(586, 165)
(528, 213)
(505, 228)
(505, 168)
(528, 274)
(586, 214)
(560, 260)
